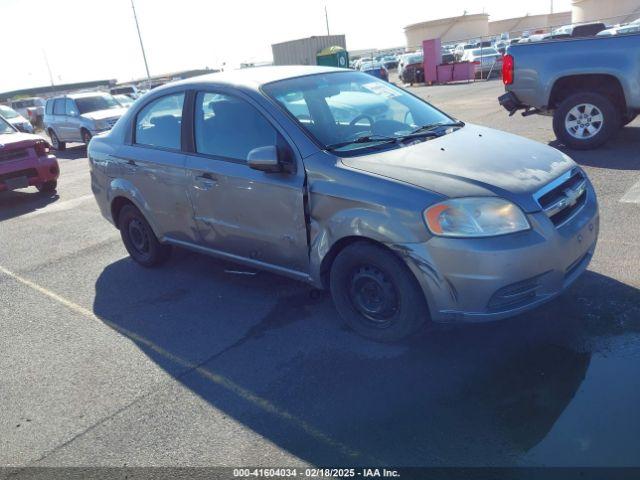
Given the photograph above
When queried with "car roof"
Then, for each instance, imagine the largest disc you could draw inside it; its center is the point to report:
(255, 77)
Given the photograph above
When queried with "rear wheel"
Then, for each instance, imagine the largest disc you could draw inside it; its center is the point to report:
(55, 141)
(376, 294)
(138, 238)
(586, 120)
(48, 187)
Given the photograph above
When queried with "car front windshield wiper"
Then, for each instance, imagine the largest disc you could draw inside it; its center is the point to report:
(433, 126)
(380, 139)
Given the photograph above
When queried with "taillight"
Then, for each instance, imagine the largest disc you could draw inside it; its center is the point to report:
(477, 62)
(42, 148)
(507, 69)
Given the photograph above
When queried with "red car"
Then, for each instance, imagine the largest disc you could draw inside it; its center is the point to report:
(25, 160)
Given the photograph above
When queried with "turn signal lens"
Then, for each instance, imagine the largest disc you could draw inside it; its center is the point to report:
(42, 148)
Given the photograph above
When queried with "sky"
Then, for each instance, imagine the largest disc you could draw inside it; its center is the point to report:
(86, 40)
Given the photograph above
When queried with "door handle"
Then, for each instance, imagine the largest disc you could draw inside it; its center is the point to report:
(205, 181)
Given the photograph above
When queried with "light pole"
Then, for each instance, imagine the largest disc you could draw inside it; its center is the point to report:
(144, 55)
(326, 18)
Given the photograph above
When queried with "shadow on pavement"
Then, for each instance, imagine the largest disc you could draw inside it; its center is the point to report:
(19, 202)
(466, 395)
(75, 152)
(619, 153)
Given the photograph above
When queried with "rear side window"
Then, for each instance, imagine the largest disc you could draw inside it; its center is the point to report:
(229, 127)
(159, 123)
(59, 106)
(49, 107)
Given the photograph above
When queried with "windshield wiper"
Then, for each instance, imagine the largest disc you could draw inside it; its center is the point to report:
(364, 139)
(433, 126)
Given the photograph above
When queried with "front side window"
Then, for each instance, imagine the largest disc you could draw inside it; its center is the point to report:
(159, 123)
(341, 107)
(70, 108)
(59, 107)
(49, 108)
(5, 127)
(229, 127)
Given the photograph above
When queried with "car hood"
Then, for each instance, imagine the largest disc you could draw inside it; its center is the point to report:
(19, 120)
(102, 114)
(9, 141)
(472, 160)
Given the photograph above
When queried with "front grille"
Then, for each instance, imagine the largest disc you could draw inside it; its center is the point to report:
(29, 173)
(515, 295)
(111, 122)
(13, 155)
(564, 197)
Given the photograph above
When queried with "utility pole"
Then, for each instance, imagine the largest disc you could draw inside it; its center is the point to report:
(551, 6)
(46, 61)
(326, 18)
(144, 55)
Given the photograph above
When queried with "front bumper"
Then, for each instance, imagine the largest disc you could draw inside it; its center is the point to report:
(477, 280)
(36, 171)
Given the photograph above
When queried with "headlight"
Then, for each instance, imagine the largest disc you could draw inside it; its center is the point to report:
(475, 217)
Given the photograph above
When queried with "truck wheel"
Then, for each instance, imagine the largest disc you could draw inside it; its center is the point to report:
(376, 294)
(139, 240)
(86, 136)
(48, 187)
(586, 120)
(55, 142)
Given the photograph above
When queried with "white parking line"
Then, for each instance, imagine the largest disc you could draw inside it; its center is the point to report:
(633, 194)
(213, 377)
(59, 206)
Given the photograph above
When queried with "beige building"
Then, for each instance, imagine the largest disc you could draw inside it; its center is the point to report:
(448, 29)
(611, 11)
(531, 23)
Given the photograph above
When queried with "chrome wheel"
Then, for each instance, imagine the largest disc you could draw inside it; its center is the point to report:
(54, 140)
(584, 121)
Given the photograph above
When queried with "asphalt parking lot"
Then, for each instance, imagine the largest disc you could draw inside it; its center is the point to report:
(105, 363)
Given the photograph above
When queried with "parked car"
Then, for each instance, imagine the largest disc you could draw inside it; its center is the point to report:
(409, 219)
(25, 160)
(390, 62)
(412, 69)
(30, 108)
(129, 90)
(488, 61)
(462, 48)
(620, 30)
(125, 100)
(15, 119)
(376, 69)
(78, 117)
(589, 85)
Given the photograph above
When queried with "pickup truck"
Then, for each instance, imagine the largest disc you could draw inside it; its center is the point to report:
(591, 86)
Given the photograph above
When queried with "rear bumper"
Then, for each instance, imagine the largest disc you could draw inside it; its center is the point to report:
(510, 102)
(36, 170)
(479, 280)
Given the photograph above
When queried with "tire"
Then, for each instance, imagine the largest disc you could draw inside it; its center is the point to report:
(376, 294)
(86, 136)
(48, 187)
(575, 124)
(628, 118)
(56, 143)
(139, 240)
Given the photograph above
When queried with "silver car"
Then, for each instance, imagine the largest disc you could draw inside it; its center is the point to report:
(406, 216)
(78, 117)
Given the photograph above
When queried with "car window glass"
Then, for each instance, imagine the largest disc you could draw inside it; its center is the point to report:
(49, 107)
(158, 124)
(58, 107)
(70, 108)
(229, 127)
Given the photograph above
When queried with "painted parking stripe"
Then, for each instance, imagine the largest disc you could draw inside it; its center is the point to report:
(215, 378)
(633, 194)
(60, 206)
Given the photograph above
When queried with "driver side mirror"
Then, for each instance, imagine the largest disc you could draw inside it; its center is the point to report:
(264, 159)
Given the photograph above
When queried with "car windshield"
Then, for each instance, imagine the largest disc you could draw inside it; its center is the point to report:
(352, 106)
(94, 104)
(5, 127)
(7, 112)
(124, 100)
(484, 52)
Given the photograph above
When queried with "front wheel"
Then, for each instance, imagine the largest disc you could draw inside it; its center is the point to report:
(48, 187)
(56, 143)
(139, 240)
(586, 120)
(86, 137)
(376, 294)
